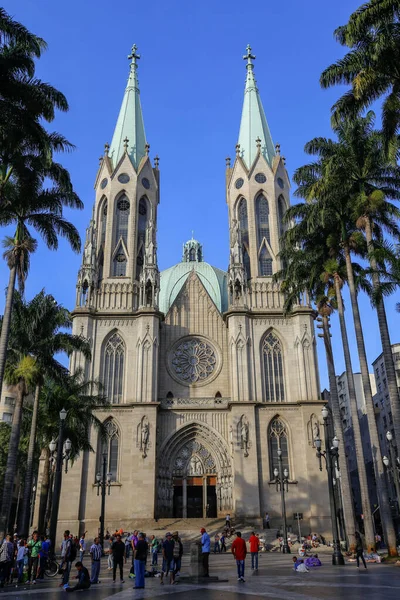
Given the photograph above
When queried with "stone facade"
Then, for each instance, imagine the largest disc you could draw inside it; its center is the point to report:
(206, 375)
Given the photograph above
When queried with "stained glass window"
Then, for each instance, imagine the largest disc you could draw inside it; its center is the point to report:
(113, 368)
(278, 438)
(263, 220)
(109, 447)
(265, 262)
(244, 230)
(122, 219)
(273, 369)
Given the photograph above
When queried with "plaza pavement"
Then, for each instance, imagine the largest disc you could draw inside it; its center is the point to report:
(274, 580)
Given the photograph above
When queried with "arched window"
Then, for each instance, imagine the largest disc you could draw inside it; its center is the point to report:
(119, 263)
(143, 218)
(244, 230)
(113, 368)
(263, 220)
(122, 219)
(108, 448)
(273, 369)
(278, 438)
(281, 215)
(192, 255)
(103, 223)
(265, 262)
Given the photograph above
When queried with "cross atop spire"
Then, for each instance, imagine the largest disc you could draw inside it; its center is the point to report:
(249, 57)
(133, 56)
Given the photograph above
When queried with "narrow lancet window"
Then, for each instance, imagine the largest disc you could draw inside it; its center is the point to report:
(273, 369)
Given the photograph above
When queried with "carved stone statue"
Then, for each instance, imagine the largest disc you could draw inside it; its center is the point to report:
(231, 438)
(144, 437)
(244, 435)
(315, 430)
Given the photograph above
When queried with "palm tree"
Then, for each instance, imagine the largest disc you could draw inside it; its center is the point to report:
(24, 101)
(323, 185)
(40, 332)
(31, 203)
(371, 65)
(80, 399)
(303, 255)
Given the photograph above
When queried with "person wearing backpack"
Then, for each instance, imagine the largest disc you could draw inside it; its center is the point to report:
(68, 555)
(177, 556)
(34, 547)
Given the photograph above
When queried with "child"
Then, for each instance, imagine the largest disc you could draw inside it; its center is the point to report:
(21, 554)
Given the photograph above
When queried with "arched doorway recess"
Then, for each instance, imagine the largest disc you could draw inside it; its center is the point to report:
(194, 477)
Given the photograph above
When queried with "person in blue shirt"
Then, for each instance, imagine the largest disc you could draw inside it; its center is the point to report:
(83, 578)
(205, 550)
(43, 556)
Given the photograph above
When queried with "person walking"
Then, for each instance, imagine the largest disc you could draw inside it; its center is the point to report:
(118, 552)
(127, 546)
(154, 550)
(34, 546)
(239, 551)
(68, 554)
(223, 542)
(359, 550)
(95, 554)
(254, 550)
(168, 557)
(205, 551)
(21, 554)
(43, 556)
(82, 547)
(228, 521)
(82, 577)
(177, 556)
(6, 559)
(266, 521)
(216, 544)
(134, 541)
(141, 550)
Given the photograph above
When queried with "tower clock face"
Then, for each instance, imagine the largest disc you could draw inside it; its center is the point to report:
(104, 183)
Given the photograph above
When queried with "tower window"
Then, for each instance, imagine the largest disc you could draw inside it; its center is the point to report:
(108, 447)
(120, 265)
(244, 229)
(263, 220)
(122, 219)
(265, 262)
(278, 439)
(281, 215)
(103, 223)
(113, 368)
(143, 216)
(273, 369)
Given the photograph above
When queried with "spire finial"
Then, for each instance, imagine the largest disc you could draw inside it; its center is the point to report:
(192, 234)
(133, 56)
(156, 161)
(249, 57)
(147, 149)
(258, 143)
(106, 148)
(278, 149)
(237, 149)
(126, 141)
(228, 162)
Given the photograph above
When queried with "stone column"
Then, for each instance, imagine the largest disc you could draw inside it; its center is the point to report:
(204, 497)
(184, 498)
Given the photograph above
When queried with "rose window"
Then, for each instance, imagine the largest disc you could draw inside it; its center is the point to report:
(194, 360)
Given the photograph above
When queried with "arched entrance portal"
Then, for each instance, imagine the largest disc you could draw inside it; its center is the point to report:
(194, 474)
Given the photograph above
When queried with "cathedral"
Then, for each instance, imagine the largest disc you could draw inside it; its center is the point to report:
(206, 377)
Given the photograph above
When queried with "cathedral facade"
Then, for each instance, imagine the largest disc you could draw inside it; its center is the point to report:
(207, 378)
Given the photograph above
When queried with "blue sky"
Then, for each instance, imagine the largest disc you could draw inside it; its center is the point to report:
(191, 77)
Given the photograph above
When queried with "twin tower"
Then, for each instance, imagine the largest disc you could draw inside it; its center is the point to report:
(206, 377)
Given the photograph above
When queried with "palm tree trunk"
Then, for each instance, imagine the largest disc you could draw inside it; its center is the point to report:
(361, 462)
(11, 467)
(24, 528)
(5, 327)
(44, 491)
(381, 484)
(394, 395)
(348, 509)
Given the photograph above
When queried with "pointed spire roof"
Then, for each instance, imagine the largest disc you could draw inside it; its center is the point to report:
(129, 132)
(253, 125)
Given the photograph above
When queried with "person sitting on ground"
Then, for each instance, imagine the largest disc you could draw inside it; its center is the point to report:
(298, 565)
(82, 577)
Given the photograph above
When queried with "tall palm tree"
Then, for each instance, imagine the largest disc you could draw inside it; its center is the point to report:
(303, 255)
(371, 65)
(81, 399)
(40, 332)
(322, 184)
(34, 203)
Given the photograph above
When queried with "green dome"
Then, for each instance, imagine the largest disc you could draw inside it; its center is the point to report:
(173, 279)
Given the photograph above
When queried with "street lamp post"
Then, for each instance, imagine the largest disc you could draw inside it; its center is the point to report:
(281, 480)
(330, 454)
(393, 466)
(103, 481)
(63, 452)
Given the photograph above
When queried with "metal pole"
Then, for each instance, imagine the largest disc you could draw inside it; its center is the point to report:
(337, 557)
(57, 488)
(298, 525)
(285, 548)
(103, 501)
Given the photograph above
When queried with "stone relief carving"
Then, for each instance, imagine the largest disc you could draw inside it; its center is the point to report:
(231, 439)
(313, 430)
(194, 459)
(143, 435)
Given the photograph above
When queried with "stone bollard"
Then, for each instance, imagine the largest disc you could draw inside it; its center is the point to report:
(196, 560)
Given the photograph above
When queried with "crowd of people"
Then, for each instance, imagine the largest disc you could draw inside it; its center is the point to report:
(23, 560)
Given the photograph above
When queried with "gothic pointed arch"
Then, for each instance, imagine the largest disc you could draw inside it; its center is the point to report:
(265, 261)
(278, 439)
(243, 219)
(108, 446)
(144, 210)
(273, 367)
(282, 208)
(262, 216)
(102, 220)
(113, 367)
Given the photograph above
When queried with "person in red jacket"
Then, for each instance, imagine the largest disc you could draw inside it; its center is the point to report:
(254, 549)
(239, 551)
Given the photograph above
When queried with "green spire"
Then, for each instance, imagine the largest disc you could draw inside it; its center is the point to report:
(129, 132)
(253, 125)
